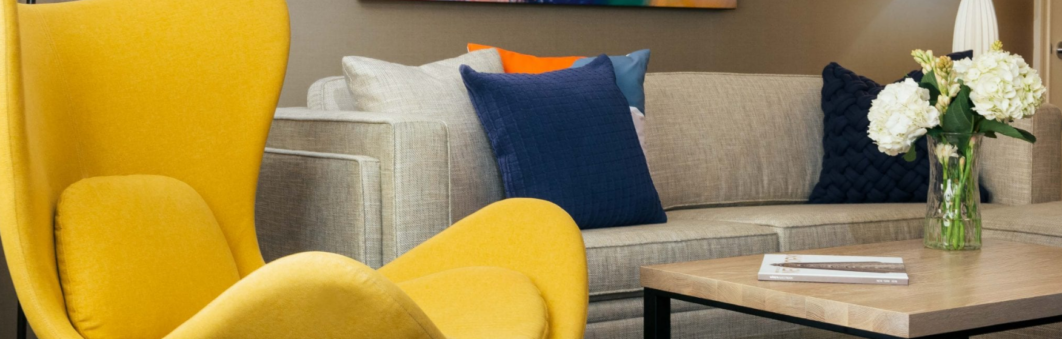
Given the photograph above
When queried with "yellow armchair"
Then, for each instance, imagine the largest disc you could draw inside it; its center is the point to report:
(130, 143)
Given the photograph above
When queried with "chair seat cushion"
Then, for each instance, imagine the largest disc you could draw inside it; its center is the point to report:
(614, 255)
(138, 255)
(1037, 224)
(481, 302)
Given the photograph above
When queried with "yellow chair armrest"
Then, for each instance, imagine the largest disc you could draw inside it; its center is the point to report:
(311, 295)
(530, 236)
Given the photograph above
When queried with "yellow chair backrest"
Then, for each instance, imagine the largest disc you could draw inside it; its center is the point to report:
(181, 88)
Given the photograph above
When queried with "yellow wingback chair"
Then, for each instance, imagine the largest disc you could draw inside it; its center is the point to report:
(130, 142)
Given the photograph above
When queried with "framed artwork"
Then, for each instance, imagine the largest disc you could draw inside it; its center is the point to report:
(718, 4)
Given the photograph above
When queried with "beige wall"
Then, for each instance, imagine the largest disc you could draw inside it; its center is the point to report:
(873, 37)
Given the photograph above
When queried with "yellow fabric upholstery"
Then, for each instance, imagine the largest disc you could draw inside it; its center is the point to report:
(533, 237)
(311, 295)
(186, 89)
(181, 88)
(481, 302)
(138, 255)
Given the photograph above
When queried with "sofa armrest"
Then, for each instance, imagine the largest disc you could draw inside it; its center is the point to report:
(413, 153)
(1020, 173)
(309, 201)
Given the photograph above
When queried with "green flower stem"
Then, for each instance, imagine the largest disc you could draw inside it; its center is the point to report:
(954, 223)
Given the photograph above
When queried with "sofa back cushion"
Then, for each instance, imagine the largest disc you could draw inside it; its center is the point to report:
(714, 139)
(717, 139)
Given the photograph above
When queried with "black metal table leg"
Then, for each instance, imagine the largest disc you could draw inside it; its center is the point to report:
(657, 315)
(21, 319)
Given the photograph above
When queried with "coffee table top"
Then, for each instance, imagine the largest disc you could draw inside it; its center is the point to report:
(1005, 282)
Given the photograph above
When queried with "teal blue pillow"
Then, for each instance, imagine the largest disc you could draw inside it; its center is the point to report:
(630, 75)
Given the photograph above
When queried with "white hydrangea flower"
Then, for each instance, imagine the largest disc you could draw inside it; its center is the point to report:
(1002, 86)
(900, 115)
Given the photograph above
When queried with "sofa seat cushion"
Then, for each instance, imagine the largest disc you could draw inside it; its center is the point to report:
(614, 255)
(1036, 224)
(802, 227)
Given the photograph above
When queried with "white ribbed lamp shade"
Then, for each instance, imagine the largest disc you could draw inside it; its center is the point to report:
(975, 26)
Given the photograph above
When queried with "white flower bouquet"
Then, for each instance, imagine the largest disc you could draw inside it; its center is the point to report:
(955, 105)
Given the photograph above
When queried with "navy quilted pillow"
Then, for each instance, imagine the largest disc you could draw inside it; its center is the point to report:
(853, 170)
(567, 137)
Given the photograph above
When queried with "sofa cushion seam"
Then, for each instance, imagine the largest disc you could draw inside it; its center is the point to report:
(773, 234)
(807, 226)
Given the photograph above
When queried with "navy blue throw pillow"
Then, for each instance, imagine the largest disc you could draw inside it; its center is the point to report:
(853, 170)
(567, 137)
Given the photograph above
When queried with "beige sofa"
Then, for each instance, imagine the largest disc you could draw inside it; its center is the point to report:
(733, 156)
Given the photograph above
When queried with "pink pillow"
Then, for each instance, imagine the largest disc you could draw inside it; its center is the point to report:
(639, 125)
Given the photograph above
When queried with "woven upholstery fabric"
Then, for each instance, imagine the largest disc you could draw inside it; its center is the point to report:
(716, 139)
(1020, 173)
(435, 90)
(311, 201)
(414, 166)
(801, 226)
(614, 255)
(567, 137)
(853, 170)
(1037, 224)
(330, 94)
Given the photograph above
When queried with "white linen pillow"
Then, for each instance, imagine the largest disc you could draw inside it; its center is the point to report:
(437, 90)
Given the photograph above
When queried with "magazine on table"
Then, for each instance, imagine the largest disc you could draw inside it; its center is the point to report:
(833, 269)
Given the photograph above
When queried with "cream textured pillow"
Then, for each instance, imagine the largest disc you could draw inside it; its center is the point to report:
(436, 90)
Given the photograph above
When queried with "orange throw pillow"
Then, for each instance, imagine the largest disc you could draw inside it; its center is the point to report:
(523, 63)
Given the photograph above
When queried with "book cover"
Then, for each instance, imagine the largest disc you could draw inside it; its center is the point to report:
(833, 269)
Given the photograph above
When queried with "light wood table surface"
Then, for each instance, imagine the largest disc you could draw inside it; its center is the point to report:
(1006, 285)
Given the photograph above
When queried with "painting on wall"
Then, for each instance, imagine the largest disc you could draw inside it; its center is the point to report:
(718, 4)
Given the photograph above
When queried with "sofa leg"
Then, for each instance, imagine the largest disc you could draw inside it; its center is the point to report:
(657, 315)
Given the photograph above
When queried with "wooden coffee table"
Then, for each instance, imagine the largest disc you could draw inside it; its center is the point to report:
(1004, 286)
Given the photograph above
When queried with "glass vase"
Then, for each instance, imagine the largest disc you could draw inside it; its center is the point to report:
(953, 216)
